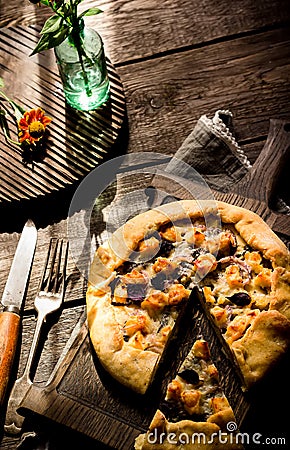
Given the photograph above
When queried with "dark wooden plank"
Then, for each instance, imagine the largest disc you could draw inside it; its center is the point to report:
(173, 24)
(159, 27)
(255, 191)
(260, 182)
(54, 336)
(162, 112)
(253, 149)
(249, 76)
(77, 282)
(92, 404)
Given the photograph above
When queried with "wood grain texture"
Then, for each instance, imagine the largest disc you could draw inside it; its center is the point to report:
(92, 417)
(76, 233)
(53, 340)
(249, 76)
(101, 401)
(134, 29)
(76, 283)
(8, 443)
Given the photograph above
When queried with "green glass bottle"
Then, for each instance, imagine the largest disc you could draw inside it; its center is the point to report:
(82, 67)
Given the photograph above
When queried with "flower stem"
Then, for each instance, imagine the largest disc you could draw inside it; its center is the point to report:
(77, 40)
(76, 37)
(18, 110)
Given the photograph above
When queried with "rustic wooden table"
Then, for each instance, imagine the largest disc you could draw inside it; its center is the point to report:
(174, 60)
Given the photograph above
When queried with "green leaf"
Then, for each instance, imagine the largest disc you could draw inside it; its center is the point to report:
(52, 24)
(43, 44)
(45, 2)
(90, 12)
(77, 2)
(1, 83)
(65, 11)
(50, 40)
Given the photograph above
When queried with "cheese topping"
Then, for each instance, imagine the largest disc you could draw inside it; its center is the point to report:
(236, 282)
(195, 392)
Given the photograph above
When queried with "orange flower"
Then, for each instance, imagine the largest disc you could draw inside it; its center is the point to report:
(32, 125)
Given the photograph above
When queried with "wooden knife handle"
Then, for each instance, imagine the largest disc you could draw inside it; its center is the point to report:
(9, 331)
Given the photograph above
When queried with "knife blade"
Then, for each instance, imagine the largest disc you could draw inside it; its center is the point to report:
(12, 301)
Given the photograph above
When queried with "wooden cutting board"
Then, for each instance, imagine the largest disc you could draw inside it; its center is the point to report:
(83, 397)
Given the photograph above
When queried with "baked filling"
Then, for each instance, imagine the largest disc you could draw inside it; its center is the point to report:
(235, 280)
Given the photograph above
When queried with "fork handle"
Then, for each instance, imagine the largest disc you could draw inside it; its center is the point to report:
(9, 332)
(14, 420)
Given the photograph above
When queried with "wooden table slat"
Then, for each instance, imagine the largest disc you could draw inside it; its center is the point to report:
(77, 141)
(247, 76)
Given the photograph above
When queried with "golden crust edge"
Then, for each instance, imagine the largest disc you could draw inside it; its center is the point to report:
(132, 367)
(250, 226)
(262, 346)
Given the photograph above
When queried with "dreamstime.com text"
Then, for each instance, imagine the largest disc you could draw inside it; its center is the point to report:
(230, 437)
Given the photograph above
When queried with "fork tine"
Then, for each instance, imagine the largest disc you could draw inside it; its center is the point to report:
(61, 273)
(63, 277)
(42, 279)
(55, 265)
(51, 269)
(57, 268)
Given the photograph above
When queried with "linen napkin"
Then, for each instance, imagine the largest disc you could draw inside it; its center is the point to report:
(209, 158)
(212, 150)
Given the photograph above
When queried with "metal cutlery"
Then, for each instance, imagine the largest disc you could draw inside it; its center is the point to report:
(48, 300)
(12, 301)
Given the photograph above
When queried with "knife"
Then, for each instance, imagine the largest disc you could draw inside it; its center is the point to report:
(12, 300)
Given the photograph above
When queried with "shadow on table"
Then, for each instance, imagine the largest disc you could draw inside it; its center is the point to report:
(51, 208)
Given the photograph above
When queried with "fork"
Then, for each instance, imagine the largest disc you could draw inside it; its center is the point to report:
(48, 300)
